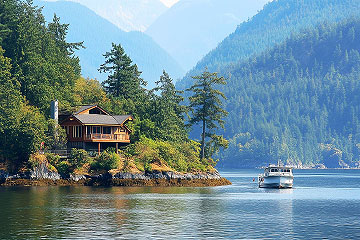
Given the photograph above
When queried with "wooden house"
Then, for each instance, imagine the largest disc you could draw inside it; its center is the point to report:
(92, 128)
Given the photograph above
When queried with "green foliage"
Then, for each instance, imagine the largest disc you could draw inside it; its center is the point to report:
(124, 79)
(107, 160)
(21, 126)
(206, 108)
(53, 159)
(63, 168)
(182, 157)
(168, 113)
(55, 136)
(78, 157)
(42, 60)
(89, 91)
(42, 68)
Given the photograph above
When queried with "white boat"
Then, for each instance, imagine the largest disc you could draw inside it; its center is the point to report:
(276, 177)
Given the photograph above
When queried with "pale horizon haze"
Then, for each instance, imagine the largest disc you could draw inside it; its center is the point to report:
(169, 3)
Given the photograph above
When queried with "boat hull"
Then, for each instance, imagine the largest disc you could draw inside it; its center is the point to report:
(276, 182)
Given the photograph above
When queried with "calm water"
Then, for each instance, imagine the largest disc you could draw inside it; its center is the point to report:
(323, 204)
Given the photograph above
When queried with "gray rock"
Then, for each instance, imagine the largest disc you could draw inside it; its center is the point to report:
(41, 171)
(76, 178)
(166, 175)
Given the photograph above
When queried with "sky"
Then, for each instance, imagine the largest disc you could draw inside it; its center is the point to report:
(169, 3)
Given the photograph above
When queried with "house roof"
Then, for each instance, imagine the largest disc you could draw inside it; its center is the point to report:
(98, 119)
(102, 119)
(89, 107)
(122, 118)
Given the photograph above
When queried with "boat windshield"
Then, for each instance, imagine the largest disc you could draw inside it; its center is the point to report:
(280, 170)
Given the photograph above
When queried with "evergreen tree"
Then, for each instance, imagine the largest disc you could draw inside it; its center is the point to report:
(168, 113)
(206, 107)
(21, 126)
(41, 58)
(124, 77)
(59, 32)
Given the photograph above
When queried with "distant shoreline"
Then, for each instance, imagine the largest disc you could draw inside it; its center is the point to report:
(295, 168)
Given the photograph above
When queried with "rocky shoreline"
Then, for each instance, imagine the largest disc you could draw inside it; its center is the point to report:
(41, 176)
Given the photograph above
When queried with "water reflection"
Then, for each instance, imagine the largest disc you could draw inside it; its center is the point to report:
(312, 209)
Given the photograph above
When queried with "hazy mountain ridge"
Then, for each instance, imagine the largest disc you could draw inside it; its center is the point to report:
(190, 29)
(128, 15)
(98, 34)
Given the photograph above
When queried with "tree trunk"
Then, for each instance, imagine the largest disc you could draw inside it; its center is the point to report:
(203, 142)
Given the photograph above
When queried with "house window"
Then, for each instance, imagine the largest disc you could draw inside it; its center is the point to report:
(77, 131)
(106, 130)
(96, 130)
(88, 130)
(96, 111)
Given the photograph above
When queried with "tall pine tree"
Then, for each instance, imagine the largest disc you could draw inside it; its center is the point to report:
(206, 107)
(124, 77)
(168, 113)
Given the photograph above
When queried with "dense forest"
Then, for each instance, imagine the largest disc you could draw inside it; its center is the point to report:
(298, 102)
(282, 120)
(38, 65)
(274, 24)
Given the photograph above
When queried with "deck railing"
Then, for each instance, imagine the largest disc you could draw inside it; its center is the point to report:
(62, 153)
(98, 136)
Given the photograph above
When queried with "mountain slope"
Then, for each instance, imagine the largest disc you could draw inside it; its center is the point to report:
(191, 28)
(98, 34)
(128, 15)
(298, 102)
(274, 24)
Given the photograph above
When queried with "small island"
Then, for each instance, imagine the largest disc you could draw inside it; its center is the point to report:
(58, 128)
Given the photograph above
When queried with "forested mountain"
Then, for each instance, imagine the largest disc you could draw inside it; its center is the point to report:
(298, 102)
(128, 15)
(98, 34)
(274, 24)
(191, 28)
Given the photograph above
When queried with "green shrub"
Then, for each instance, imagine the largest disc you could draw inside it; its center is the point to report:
(106, 161)
(182, 157)
(53, 159)
(78, 157)
(63, 168)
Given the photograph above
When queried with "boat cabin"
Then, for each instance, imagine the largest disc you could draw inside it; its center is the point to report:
(92, 128)
(277, 170)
